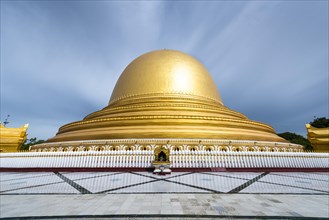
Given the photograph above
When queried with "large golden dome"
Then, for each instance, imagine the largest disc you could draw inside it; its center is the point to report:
(165, 94)
(165, 72)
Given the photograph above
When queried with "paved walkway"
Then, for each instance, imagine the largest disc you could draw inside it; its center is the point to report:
(140, 195)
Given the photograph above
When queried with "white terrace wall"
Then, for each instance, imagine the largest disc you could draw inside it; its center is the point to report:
(178, 159)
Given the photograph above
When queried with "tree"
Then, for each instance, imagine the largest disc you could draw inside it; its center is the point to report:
(320, 122)
(30, 142)
(297, 139)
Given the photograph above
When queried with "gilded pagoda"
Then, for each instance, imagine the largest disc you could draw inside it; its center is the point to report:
(166, 98)
(11, 139)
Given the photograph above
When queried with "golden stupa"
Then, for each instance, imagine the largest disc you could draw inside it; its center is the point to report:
(11, 139)
(162, 97)
(318, 137)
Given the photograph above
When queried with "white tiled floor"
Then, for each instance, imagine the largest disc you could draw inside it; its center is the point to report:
(9, 176)
(139, 182)
(111, 182)
(215, 205)
(242, 175)
(298, 182)
(160, 187)
(162, 176)
(212, 182)
(82, 175)
(260, 187)
(141, 193)
(48, 189)
(315, 176)
(21, 182)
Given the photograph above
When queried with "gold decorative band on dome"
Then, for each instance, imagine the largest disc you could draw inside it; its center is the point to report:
(174, 145)
(167, 117)
(135, 107)
(166, 94)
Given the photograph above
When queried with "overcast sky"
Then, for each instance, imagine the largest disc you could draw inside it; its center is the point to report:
(60, 59)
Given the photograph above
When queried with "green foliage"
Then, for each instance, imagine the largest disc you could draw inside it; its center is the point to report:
(30, 142)
(320, 122)
(297, 139)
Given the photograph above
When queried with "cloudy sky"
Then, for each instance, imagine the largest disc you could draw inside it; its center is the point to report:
(60, 59)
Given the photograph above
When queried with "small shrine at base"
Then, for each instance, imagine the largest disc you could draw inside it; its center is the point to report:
(161, 161)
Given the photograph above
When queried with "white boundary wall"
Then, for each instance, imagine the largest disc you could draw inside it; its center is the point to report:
(178, 159)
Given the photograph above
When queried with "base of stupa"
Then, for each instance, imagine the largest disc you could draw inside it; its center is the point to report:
(182, 145)
(175, 160)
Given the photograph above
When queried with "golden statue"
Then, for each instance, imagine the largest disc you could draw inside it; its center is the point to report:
(11, 139)
(167, 95)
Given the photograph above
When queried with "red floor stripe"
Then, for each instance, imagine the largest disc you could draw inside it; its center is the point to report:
(135, 169)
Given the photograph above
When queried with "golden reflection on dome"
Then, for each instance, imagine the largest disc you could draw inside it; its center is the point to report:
(165, 72)
(180, 79)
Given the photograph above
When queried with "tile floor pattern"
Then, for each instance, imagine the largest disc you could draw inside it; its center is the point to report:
(186, 194)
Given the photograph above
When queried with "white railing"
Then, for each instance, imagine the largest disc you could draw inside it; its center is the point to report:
(178, 159)
(213, 159)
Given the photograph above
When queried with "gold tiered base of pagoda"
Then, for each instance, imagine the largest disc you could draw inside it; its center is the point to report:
(166, 116)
